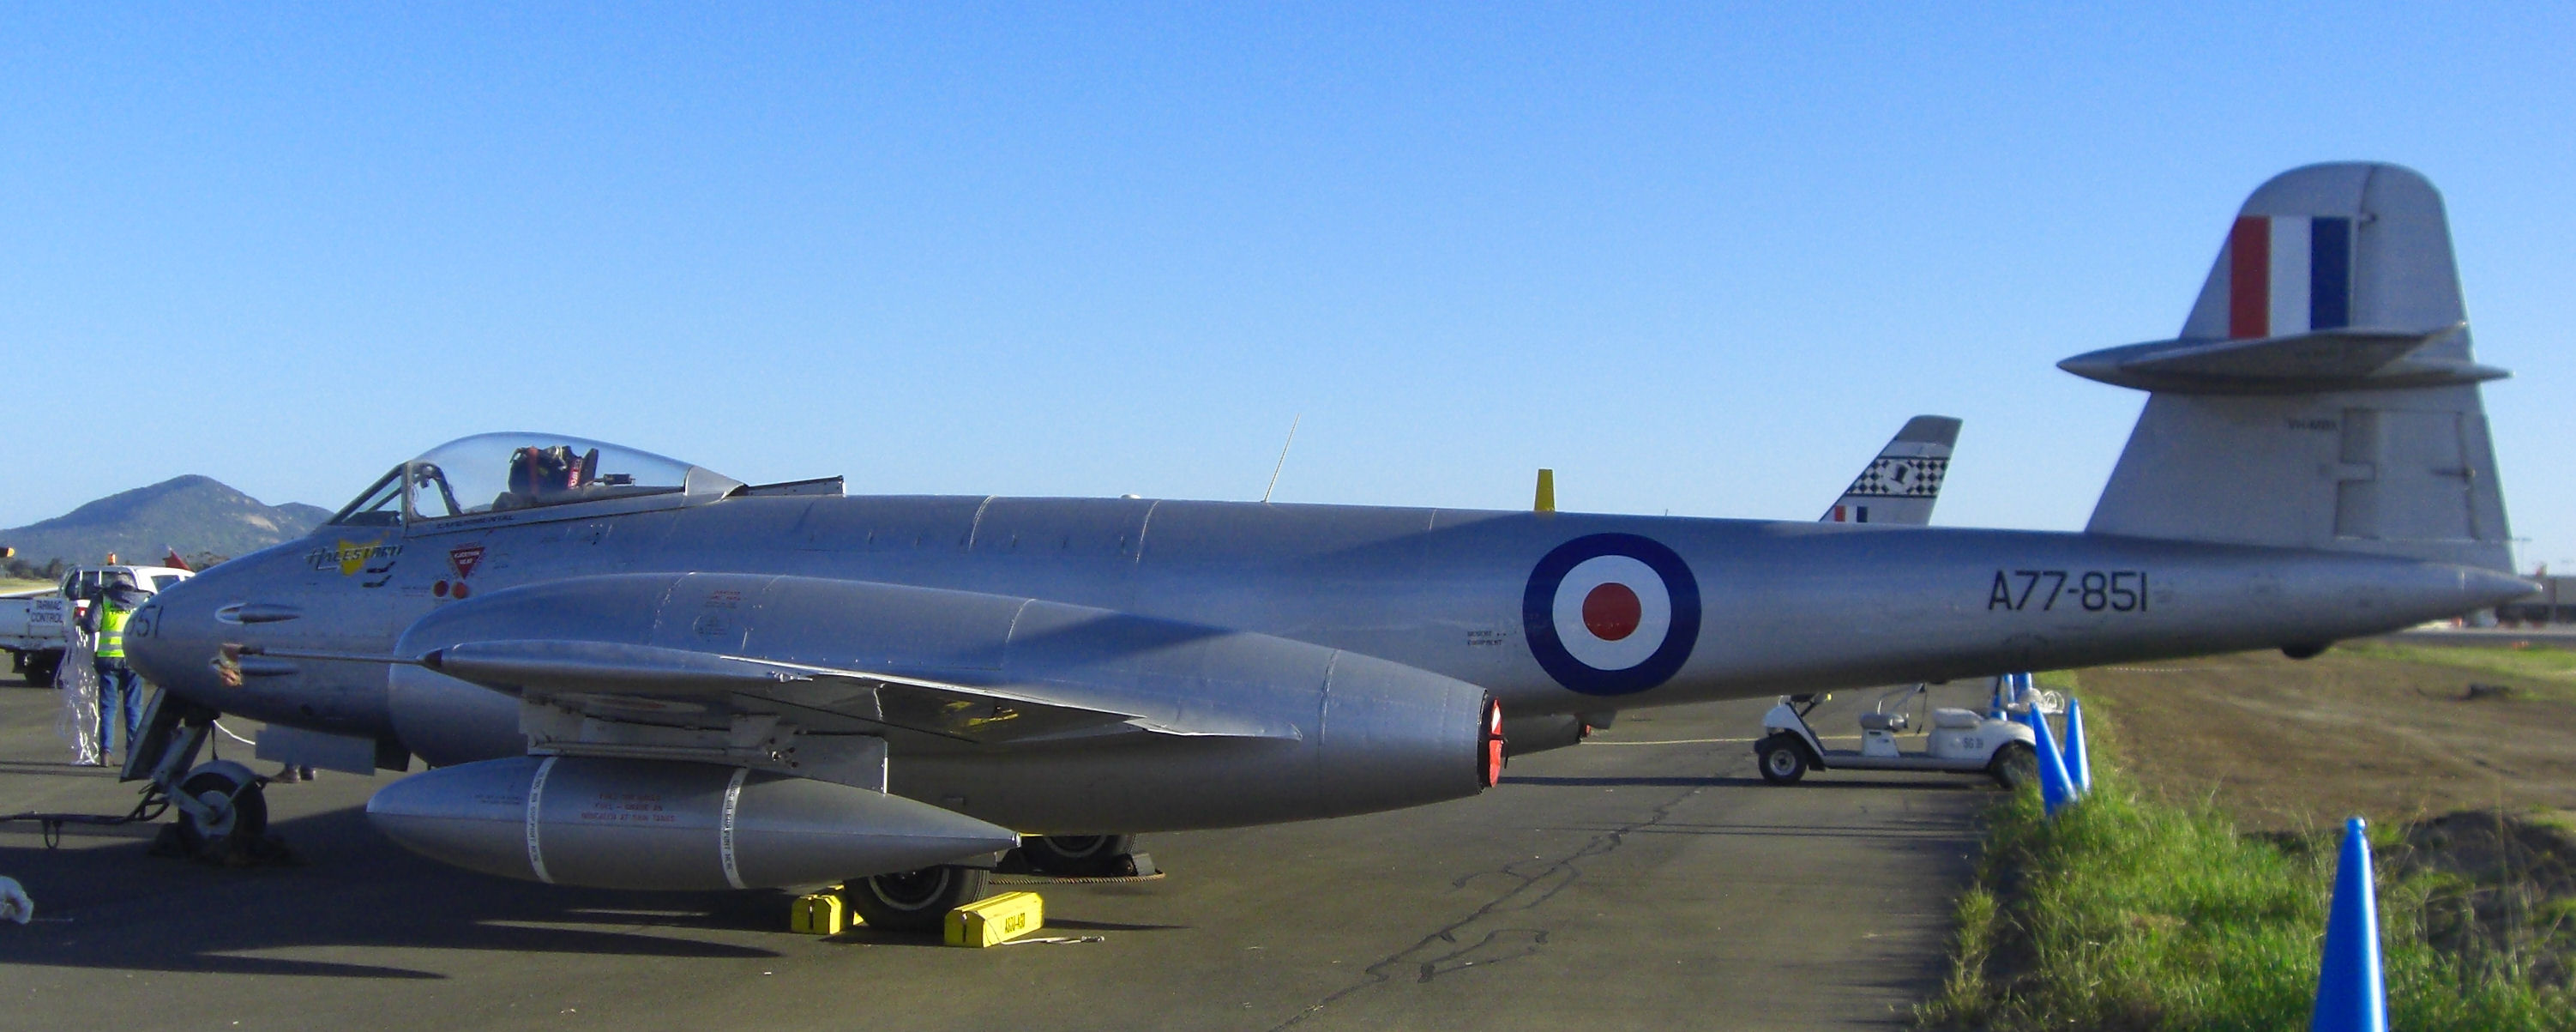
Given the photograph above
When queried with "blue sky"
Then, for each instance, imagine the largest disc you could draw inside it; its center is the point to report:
(1700, 259)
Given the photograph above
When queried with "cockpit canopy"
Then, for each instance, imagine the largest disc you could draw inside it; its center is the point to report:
(499, 473)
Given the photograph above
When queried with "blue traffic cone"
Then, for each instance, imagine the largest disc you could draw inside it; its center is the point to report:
(2079, 766)
(2350, 994)
(2055, 789)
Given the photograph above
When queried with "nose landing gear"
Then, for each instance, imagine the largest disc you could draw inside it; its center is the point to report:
(223, 815)
(222, 808)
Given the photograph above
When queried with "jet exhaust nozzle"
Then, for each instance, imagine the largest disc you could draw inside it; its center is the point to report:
(656, 824)
(1525, 735)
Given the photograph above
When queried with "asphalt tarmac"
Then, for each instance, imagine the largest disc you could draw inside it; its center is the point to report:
(1645, 879)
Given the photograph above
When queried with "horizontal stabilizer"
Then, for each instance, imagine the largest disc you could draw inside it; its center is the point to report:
(575, 672)
(2339, 358)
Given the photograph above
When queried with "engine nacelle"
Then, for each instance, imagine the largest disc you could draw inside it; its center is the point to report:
(651, 824)
(1297, 731)
(446, 721)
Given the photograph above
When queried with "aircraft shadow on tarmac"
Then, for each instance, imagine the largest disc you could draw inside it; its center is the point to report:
(356, 893)
(1671, 781)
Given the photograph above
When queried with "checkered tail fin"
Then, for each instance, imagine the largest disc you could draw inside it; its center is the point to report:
(1900, 485)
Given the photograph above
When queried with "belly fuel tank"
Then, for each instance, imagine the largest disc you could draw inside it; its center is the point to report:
(656, 824)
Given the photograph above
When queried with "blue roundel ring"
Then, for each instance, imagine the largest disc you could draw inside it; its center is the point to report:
(1538, 615)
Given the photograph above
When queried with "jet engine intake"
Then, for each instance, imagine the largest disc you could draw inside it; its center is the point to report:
(649, 824)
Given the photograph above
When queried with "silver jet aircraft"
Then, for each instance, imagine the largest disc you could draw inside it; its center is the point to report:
(632, 672)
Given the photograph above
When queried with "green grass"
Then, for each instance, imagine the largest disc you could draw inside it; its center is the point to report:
(2126, 913)
(2539, 662)
(12, 585)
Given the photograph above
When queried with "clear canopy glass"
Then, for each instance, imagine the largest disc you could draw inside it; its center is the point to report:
(490, 473)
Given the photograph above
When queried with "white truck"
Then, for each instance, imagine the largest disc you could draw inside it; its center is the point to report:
(36, 627)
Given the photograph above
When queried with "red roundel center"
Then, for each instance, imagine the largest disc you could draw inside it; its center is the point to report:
(1611, 611)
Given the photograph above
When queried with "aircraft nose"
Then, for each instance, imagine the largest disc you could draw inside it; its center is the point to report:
(172, 637)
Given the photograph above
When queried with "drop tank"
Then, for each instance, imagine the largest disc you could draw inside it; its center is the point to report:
(653, 824)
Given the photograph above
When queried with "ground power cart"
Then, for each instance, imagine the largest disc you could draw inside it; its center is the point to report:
(1992, 743)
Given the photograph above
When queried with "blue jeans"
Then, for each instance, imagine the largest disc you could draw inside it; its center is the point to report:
(118, 689)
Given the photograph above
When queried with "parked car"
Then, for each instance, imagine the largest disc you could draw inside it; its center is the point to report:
(36, 626)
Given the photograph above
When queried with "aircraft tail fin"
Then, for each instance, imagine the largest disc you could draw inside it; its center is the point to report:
(2322, 393)
(1902, 483)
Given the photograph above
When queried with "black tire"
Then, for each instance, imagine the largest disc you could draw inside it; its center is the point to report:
(2014, 765)
(39, 669)
(245, 823)
(1078, 856)
(915, 901)
(1783, 759)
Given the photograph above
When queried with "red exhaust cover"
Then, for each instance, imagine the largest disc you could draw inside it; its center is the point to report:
(1492, 767)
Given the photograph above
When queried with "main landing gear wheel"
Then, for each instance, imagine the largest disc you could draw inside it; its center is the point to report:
(239, 821)
(915, 901)
(1783, 759)
(2014, 765)
(1078, 856)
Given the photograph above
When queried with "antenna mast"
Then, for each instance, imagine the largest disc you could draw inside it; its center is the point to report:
(1283, 458)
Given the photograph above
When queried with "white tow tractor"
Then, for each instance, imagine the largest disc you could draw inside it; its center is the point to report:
(1962, 741)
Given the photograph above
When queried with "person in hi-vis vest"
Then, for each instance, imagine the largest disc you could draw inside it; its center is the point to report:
(120, 692)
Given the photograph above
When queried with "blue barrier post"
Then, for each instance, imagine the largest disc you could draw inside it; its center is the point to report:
(2055, 790)
(2079, 763)
(2351, 996)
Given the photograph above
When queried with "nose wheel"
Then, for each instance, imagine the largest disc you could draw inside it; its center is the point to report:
(230, 815)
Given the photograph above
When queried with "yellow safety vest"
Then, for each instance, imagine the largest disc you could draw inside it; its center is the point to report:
(111, 630)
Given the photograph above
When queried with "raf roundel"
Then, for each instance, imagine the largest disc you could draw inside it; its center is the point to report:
(1611, 614)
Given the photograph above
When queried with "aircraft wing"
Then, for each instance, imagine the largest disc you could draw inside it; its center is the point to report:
(623, 678)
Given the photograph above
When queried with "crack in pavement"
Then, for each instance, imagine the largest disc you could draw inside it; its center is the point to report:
(1532, 883)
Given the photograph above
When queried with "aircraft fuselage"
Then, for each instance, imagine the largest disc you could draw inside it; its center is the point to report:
(1747, 608)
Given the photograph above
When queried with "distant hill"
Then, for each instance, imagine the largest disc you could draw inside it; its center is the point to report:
(192, 514)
